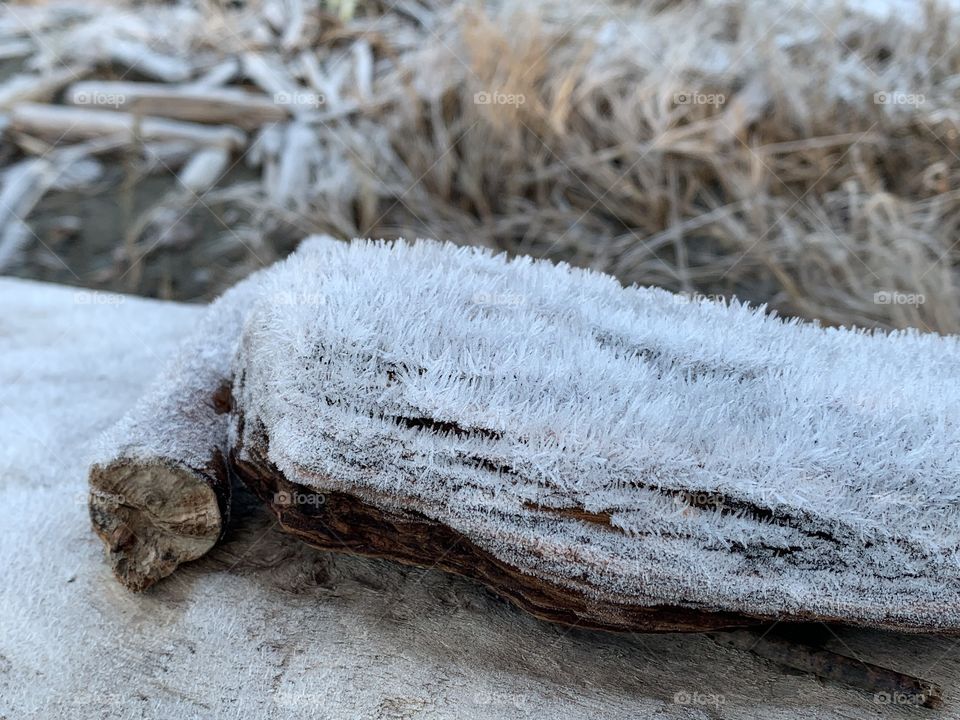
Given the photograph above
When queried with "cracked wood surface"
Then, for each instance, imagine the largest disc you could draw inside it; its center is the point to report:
(264, 625)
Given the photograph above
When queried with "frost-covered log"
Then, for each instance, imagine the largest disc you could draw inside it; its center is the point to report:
(605, 457)
(159, 486)
(622, 458)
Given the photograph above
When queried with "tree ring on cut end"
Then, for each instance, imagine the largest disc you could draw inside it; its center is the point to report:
(154, 515)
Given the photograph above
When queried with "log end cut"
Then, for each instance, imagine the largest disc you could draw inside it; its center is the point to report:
(154, 515)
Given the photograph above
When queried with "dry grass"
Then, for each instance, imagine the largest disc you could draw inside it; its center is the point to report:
(799, 189)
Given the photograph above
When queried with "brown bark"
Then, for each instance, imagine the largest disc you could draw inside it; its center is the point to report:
(345, 523)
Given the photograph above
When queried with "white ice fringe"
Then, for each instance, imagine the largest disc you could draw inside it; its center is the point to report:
(745, 462)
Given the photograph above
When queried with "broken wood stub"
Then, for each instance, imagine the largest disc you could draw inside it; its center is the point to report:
(159, 482)
(154, 515)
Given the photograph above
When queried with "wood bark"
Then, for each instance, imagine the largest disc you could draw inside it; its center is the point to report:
(344, 523)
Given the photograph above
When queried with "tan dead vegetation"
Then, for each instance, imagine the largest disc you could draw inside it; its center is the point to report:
(715, 147)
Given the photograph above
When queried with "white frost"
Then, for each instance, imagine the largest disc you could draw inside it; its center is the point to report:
(746, 463)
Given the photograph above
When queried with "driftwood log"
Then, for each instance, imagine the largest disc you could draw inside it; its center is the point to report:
(159, 487)
(356, 636)
(605, 457)
(58, 123)
(193, 103)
